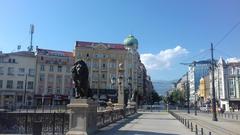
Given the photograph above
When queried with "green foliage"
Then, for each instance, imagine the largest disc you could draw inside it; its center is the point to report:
(155, 97)
(176, 97)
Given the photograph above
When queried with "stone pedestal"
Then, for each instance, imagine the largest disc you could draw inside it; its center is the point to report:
(119, 106)
(131, 104)
(83, 117)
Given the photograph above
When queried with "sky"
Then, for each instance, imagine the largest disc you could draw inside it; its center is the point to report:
(169, 32)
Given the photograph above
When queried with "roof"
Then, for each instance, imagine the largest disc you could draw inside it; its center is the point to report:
(93, 44)
(20, 53)
(54, 53)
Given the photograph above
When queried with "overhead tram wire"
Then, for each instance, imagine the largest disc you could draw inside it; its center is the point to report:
(223, 53)
(227, 34)
(199, 55)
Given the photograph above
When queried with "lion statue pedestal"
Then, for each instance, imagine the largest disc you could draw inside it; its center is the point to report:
(83, 117)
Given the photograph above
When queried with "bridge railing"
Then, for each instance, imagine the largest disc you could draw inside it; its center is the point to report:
(54, 123)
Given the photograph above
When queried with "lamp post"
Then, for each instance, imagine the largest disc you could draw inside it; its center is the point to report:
(25, 91)
(120, 81)
(188, 94)
(130, 89)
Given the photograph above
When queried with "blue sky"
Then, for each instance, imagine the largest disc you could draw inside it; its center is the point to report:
(169, 31)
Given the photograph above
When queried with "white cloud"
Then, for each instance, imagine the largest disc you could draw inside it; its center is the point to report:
(163, 59)
(234, 59)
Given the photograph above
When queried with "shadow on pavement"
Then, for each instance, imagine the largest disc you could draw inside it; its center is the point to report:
(113, 128)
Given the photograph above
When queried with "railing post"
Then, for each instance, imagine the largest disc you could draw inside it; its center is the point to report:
(210, 133)
(53, 131)
(201, 131)
(191, 127)
(63, 123)
(196, 130)
(188, 123)
(26, 121)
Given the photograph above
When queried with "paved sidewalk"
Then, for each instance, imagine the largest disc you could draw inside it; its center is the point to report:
(221, 127)
(147, 123)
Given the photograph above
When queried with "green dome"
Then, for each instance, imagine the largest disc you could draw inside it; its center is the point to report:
(131, 41)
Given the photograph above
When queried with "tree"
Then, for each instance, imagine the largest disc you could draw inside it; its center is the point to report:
(155, 97)
(177, 98)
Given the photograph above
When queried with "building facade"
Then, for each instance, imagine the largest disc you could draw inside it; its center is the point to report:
(17, 79)
(227, 84)
(103, 60)
(196, 71)
(53, 77)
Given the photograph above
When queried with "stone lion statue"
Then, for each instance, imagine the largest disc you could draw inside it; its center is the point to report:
(80, 78)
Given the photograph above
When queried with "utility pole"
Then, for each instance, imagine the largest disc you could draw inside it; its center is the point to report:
(188, 94)
(213, 88)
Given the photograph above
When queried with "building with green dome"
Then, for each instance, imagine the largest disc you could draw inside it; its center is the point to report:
(131, 42)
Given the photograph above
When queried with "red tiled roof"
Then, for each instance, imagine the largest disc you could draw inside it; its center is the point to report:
(90, 44)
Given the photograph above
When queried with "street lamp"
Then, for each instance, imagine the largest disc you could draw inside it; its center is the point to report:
(25, 91)
(188, 94)
(130, 89)
(120, 81)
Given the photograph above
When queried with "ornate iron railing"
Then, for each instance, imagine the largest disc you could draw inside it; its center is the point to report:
(56, 123)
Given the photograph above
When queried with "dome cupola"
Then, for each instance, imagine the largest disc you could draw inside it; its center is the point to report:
(131, 42)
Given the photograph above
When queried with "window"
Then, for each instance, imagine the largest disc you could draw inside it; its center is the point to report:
(30, 85)
(103, 76)
(50, 78)
(51, 69)
(42, 68)
(1, 83)
(9, 84)
(10, 70)
(21, 70)
(231, 88)
(10, 60)
(95, 64)
(19, 98)
(13, 61)
(1, 71)
(103, 65)
(68, 69)
(41, 77)
(59, 68)
(58, 91)
(19, 84)
(31, 72)
(230, 70)
(41, 57)
(49, 89)
(238, 71)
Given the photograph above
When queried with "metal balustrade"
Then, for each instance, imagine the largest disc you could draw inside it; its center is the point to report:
(54, 123)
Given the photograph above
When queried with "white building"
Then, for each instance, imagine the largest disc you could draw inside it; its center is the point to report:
(17, 75)
(227, 84)
(196, 71)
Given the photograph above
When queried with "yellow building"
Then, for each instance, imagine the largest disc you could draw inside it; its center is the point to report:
(204, 89)
(103, 60)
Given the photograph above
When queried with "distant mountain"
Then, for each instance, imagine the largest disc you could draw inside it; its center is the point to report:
(162, 86)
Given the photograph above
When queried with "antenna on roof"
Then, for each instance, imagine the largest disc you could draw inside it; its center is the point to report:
(19, 47)
(30, 48)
